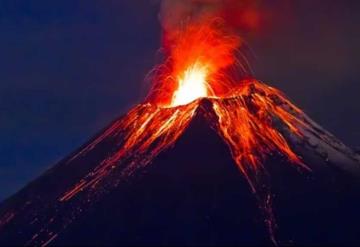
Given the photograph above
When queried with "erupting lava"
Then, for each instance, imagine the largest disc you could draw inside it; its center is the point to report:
(199, 57)
(244, 113)
(192, 85)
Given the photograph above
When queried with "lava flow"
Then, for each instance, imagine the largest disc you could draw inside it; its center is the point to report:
(244, 113)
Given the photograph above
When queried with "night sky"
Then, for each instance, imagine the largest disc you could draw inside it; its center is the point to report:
(70, 67)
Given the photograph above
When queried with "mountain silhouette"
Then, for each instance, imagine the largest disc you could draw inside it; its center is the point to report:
(191, 193)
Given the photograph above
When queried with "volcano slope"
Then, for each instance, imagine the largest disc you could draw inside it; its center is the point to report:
(191, 193)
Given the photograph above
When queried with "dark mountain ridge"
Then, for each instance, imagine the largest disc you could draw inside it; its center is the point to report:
(191, 194)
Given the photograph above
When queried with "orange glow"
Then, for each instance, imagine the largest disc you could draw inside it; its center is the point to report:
(246, 123)
(198, 57)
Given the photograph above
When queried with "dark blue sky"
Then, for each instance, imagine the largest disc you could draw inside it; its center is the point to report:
(70, 67)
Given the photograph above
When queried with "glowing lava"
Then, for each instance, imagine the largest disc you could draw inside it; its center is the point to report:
(198, 59)
(192, 85)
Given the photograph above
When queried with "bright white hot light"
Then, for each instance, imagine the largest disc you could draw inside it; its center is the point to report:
(191, 85)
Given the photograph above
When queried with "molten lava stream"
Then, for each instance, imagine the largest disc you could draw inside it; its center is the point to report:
(148, 130)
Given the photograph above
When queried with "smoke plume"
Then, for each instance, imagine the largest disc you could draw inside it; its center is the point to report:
(175, 13)
(237, 14)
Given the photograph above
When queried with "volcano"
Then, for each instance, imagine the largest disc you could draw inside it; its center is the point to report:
(212, 156)
(186, 187)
